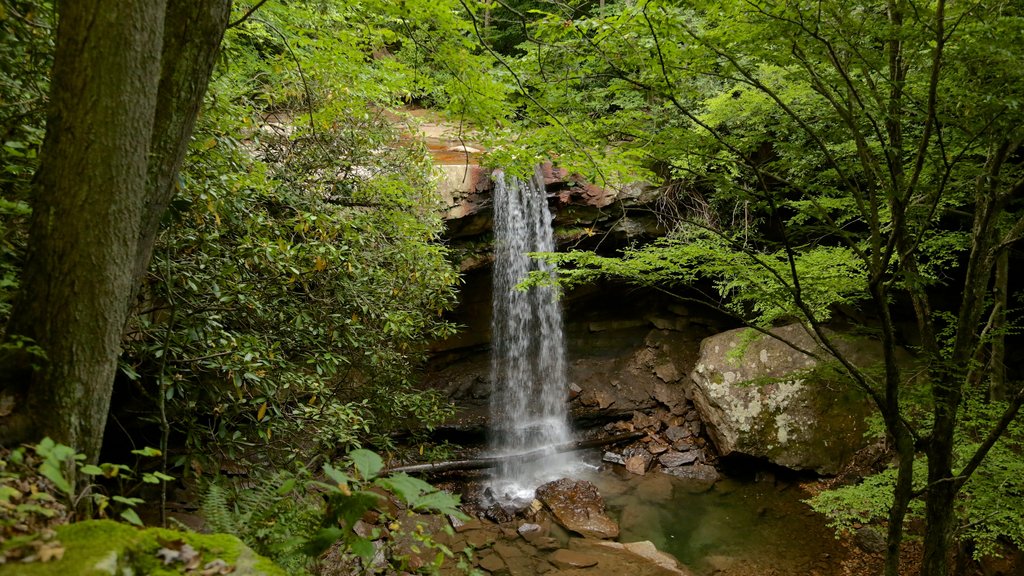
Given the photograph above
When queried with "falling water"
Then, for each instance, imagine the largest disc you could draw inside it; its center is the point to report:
(528, 399)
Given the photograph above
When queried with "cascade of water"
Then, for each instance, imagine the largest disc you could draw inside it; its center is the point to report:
(528, 371)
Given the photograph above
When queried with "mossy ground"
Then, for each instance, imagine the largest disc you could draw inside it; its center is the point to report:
(99, 547)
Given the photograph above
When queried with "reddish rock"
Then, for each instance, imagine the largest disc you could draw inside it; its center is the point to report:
(638, 464)
(566, 559)
(577, 506)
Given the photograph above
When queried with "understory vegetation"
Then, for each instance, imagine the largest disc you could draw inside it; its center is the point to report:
(816, 162)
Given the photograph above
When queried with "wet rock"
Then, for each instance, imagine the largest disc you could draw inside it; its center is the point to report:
(657, 447)
(638, 464)
(481, 538)
(613, 458)
(565, 559)
(638, 460)
(527, 530)
(674, 433)
(615, 558)
(577, 506)
(645, 549)
(699, 472)
(491, 562)
(648, 422)
(574, 391)
(674, 459)
(762, 398)
(519, 562)
(685, 444)
(502, 512)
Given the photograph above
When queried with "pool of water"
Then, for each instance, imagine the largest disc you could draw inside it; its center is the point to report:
(736, 527)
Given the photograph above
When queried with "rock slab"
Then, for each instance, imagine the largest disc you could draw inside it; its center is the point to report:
(577, 506)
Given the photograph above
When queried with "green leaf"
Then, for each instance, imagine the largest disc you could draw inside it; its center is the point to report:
(366, 462)
(130, 516)
(91, 470)
(362, 547)
(53, 473)
(407, 488)
(147, 451)
(128, 501)
(340, 478)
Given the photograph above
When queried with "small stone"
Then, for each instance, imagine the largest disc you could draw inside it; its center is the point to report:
(574, 391)
(613, 458)
(569, 559)
(700, 472)
(657, 447)
(675, 459)
(674, 433)
(527, 530)
(684, 444)
(666, 373)
(638, 464)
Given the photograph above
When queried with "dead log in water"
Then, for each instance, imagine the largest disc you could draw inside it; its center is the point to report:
(493, 461)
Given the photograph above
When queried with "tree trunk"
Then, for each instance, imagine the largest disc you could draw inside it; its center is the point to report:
(128, 80)
(997, 374)
(495, 461)
(89, 194)
(192, 35)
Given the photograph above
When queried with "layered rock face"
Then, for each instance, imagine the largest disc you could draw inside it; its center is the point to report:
(636, 350)
(761, 397)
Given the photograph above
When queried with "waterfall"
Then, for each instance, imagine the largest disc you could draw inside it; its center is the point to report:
(528, 369)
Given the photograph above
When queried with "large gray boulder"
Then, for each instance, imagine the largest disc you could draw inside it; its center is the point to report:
(759, 396)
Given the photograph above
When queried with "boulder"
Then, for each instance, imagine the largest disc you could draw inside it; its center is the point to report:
(577, 506)
(760, 397)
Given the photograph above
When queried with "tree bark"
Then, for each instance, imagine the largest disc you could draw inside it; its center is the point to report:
(89, 194)
(997, 375)
(192, 36)
(128, 80)
(492, 462)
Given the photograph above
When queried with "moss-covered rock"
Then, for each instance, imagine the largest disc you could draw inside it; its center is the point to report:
(759, 396)
(104, 547)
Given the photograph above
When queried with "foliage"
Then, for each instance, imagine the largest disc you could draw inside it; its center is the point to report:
(26, 47)
(272, 516)
(859, 155)
(294, 518)
(45, 485)
(752, 284)
(64, 468)
(301, 270)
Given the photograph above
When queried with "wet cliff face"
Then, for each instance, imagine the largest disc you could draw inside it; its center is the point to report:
(628, 349)
(585, 216)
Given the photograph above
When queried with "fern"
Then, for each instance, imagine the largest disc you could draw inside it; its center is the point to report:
(270, 516)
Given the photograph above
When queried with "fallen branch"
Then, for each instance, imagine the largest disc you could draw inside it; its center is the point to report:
(493, 461)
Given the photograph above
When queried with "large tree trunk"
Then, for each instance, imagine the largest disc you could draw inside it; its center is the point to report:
(128, 80)
(87, 213)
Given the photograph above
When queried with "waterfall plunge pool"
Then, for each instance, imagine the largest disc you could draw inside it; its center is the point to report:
(737, 527)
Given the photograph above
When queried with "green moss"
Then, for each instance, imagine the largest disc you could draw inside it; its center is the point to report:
(103, 547)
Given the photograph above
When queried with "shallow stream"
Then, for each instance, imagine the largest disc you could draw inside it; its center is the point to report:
(737, 526)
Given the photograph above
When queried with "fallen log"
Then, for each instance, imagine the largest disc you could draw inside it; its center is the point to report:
(493, 461)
